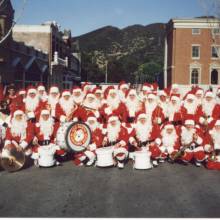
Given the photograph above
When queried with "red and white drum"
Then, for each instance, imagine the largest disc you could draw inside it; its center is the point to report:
(73, 136)
(104, 157)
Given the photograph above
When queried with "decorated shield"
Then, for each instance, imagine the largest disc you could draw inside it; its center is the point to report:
(78, 136)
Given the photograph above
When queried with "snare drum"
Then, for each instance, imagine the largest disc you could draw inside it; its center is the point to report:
(142, 160)
(104, 157)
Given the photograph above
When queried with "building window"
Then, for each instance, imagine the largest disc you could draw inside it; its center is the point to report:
(214, 77)
(216, 31)
(196, 52)
(195, 76)
(196, 31)
(215, 51)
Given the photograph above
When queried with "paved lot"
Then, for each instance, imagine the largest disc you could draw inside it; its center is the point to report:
(69, 191)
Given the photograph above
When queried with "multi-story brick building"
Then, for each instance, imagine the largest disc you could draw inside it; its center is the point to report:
(192, 49)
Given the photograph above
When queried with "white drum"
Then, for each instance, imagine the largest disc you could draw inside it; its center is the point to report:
(142, 160)
(61, 135)
(46, 156)
(104, 157)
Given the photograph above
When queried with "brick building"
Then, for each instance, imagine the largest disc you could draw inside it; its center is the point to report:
(64, 65)
(192, 49)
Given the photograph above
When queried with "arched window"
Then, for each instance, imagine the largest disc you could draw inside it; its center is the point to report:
(195, 76)
(214, 77)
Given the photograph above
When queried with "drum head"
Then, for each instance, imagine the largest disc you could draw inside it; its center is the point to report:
(78, 136)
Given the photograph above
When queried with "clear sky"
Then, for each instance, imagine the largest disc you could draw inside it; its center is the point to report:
(82, 16)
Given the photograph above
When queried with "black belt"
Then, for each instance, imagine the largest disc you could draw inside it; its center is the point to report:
(130, 119)
(45, 142)
(145, 143)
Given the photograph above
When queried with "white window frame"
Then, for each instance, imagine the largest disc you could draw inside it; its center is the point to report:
(215, 29)
(211, 68)
(195, 45)
(218, 53)
(190, 74)
(196, 33)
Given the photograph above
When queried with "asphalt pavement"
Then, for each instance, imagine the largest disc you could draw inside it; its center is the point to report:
(170, 190)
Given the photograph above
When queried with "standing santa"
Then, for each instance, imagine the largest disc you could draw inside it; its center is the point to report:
(53, 99)
(78, 95)
(123, 87)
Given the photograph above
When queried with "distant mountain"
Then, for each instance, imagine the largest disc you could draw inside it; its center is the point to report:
(125, 50)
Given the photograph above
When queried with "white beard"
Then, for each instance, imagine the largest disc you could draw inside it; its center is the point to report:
(199, 101)
(132, 106)
(208, 107)
(113, 103)
(143, 131)
(31, 103)
(93, 105)
(53, 101)
(46, 127)
(121, 95)
(168, 140)
(150, 108)
(79, 99)
(172, 110)
(191, 108)
(19, 128)
(113, 132)
(165, 107)
(43, 97)
(66, 105)
(187, 135)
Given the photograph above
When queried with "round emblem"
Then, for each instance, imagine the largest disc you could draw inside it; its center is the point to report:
(78, 136)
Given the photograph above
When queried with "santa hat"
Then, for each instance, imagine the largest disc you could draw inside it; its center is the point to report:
(189, 120)
(22, 92)
(112, 117)
(54, 89)
(199, 91)
(146, 87)
(155, 86)
(140, 115)
(190, 96)
(175, 97)
(41, 87)
(151, 95)
(17, 112)
(209, 94)
(91, 116)
(90, 95)
(31, 89)
(168, 125)
(76, 89)
(84, 85)
(44, 112)
(162, 93)
(130, 92)
(97, 90)
(108, 90)
(123, 85)
(66, 93)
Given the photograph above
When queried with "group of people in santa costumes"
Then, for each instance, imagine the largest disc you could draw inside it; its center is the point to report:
(170, 125)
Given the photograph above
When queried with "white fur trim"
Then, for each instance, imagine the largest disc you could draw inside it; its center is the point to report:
(66, 93)
(31, 115)
(151, 96)
(41, 88)
(190, 96)
(108, 111)
(200, 148)
(158, 141)
(7, 142)
(207, 148)
(97, 114)
(77, 90)
(22, 92)
(123, 143)
(143, 115)
(120, 150)
(54, 90)
(23, 144)
(159, 120)
(199, 140)
(189, 122)
(209, 119)
(209, 94)
(112, 118)
(92, 146)
(201, 120)
(62, 118)
(32, 91)
(90, 155)
(131, 140)
(45, 112)
(18, 112)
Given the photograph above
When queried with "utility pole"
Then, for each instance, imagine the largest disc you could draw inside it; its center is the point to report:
(106, 72)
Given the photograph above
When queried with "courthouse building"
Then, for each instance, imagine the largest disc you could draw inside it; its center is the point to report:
(192, 49)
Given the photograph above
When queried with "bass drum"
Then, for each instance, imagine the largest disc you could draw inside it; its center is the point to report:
(74, 136)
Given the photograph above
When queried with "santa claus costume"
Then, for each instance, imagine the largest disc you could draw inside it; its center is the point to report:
(33, 104)
(212, 147)
(192, 139)
(45, 148)
(152, 110)
(113, 105)
(20, 131)
(89, 155)
(199, 93)
(163, 102)
(41, 91)
(117, 137)
(145, 90)
(174, 113)
(208, 111)
(123, 87)
(97, 91)
(78, 95)
(145, 134)
(170, 142)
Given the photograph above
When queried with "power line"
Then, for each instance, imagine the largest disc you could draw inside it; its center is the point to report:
(14, 22)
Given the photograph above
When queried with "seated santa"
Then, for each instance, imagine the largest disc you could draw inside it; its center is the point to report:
(145, 135)
(88, 156)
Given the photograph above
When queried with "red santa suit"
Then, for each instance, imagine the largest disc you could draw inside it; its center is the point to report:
(146, 134)
(196, 145)
(45, 134)
(66, 110)
(153, 111)
(113, 105)
(212, 147)
(53, 99)
(21, 132)
(209, 110)
(170, 142)
(89, 155)
(33, 104)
